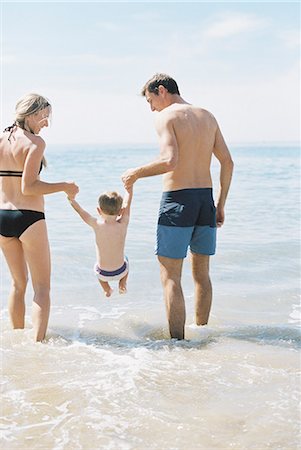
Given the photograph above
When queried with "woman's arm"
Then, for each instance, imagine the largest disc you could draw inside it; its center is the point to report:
(31, 184)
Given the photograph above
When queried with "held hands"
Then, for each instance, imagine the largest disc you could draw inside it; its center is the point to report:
(71, 189)
(130, 189)
(129, 177)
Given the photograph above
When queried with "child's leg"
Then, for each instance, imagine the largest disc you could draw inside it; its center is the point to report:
(106, 287)
(122, 284)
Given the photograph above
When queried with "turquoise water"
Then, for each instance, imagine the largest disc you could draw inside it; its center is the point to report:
(109, 377)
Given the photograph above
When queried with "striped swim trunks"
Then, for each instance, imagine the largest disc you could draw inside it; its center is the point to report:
(115, 275)
(187, 218)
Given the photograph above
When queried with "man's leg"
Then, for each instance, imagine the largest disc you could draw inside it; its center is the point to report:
(202, 287)
(171, 272)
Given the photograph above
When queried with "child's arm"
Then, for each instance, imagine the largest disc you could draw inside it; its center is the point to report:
(126, 207)
(90, 220)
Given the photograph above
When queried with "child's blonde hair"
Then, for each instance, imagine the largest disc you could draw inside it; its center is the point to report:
(110, 203)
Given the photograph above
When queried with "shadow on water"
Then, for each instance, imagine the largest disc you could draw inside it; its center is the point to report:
(198, 337)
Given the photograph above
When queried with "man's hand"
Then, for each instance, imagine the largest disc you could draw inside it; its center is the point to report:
(220, 216)
(129, 177)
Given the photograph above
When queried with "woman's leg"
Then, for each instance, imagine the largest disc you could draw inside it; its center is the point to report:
(14, 255)
(37, 254)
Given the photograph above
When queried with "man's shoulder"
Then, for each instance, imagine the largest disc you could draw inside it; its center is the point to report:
(188, 111)
(171, 112)
(179, 108)
(203, 111)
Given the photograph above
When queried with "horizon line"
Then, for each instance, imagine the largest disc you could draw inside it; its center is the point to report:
(151, 144)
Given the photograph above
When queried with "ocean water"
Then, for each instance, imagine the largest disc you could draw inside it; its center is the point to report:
(108, 376)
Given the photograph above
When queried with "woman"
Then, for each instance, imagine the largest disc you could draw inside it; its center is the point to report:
(23, 231)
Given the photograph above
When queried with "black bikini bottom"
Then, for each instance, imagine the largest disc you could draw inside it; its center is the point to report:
(13, 222)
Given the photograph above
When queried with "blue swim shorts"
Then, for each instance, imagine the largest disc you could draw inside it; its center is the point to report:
(187, 217)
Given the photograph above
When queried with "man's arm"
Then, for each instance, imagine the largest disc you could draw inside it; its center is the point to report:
(222, 153)
(167, 160)
(90, 220)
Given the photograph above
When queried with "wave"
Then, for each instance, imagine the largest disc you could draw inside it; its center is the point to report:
(196, 337)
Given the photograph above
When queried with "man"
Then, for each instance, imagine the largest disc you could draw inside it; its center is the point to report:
(188, 137)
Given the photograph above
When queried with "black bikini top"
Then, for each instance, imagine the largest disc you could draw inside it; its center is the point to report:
(10, 173)
(15, 173)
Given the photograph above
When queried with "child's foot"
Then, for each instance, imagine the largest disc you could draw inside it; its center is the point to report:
(109, 292)
(122, 290)
(106, 288)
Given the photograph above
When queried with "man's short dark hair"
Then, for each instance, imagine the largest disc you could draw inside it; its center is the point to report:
(162, 79)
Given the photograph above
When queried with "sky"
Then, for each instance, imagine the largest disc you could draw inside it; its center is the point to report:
(239, 60)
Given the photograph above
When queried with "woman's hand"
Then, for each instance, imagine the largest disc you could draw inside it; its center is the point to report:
(71, 189)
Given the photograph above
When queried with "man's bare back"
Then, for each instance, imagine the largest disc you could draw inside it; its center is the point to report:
(195, 130)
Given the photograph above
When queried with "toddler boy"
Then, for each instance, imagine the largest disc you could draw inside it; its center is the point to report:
(110, 230)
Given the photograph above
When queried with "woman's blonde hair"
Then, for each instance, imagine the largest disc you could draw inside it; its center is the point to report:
(26, 106)
(110, 203)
